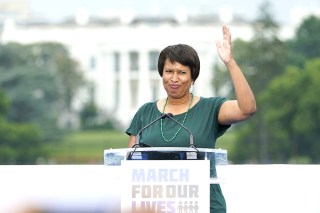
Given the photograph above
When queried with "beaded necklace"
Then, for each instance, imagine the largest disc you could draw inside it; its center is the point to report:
(185, 117)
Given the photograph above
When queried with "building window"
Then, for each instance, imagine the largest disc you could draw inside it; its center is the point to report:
(153, 60)
(134, 61)
(116, 61)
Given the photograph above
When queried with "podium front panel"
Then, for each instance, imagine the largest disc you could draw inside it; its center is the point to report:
(165, 186)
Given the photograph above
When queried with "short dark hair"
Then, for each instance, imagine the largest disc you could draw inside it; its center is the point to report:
(183, 54)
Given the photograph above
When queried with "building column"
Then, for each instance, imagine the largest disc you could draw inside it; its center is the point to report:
(108, 81)
(144, 86)
(124, 110)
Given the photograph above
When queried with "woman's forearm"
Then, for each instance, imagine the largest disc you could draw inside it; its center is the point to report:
(243, 92)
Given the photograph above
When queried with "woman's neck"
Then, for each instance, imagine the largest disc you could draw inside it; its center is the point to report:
(178, 106)
(180, 101)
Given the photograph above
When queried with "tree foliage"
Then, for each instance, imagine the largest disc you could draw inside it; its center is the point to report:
(19, 143)
(40, 81)
(57, 60)
(38, 84)
(305, 44)
(293, 114)
(4, 103)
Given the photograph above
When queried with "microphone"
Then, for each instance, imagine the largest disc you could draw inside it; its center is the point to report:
(191, 144)
(137, 141)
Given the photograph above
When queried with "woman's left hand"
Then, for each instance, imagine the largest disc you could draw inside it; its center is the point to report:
(224, 46)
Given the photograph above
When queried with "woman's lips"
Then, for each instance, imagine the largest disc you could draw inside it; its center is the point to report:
(174, 86)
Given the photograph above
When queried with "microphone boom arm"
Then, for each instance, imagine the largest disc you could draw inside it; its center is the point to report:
(137, 141)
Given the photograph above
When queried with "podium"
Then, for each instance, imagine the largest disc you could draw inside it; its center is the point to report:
(166, 179)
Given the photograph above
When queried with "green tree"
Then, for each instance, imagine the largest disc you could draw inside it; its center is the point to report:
(88, 115)
(34, 98)
(41, 81)
(19, 143)
(57, 60)
(4, 103)
(91, 118)
(293, 114)
(305, 44)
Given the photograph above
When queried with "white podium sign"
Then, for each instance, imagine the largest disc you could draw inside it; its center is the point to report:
(165, 186)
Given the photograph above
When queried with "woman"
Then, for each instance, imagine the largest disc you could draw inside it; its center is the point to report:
(206, 118)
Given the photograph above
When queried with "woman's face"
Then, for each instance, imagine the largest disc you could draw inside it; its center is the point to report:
(176, 79)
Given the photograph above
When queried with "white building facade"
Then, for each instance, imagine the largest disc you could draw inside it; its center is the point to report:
(121, 59)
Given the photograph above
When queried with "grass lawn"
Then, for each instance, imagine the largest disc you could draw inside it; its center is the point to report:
(87, 147)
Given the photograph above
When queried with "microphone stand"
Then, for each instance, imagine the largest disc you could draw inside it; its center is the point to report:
(137, 141)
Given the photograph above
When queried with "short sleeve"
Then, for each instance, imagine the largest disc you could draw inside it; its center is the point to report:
(143, 116)
(221, 128)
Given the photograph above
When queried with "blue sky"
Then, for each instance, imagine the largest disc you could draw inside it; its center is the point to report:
(58, 9)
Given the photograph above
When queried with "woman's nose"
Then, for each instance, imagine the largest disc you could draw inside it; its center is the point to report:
(174, 77)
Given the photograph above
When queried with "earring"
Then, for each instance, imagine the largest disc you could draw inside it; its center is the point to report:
(191, 88)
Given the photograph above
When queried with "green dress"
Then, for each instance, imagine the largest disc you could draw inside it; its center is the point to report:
(202, 121)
